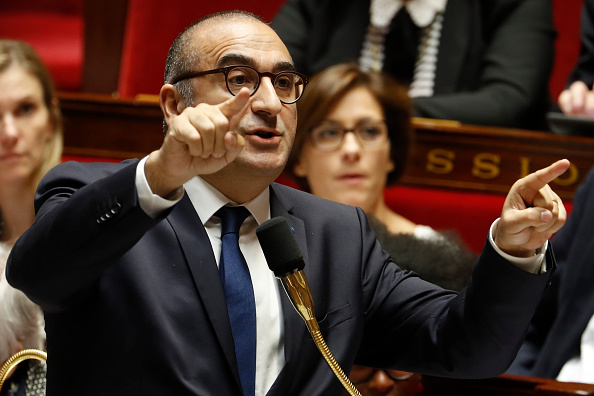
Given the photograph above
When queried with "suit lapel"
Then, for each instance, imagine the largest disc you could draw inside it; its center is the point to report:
(199, 255)
(201, 261)
(295, 328)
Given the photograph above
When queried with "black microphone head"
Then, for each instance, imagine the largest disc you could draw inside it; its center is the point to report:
(280, 247)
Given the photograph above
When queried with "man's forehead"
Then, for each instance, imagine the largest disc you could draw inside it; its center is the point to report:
(242, 41)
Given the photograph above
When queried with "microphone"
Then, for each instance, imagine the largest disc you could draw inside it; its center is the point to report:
(286, 261)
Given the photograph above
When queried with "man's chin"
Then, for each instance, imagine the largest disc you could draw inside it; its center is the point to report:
(264, 166)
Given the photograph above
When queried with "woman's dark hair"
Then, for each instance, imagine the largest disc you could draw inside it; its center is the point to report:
(329, 86)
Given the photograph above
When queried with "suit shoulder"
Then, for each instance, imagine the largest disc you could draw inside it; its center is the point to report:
(68, 177)
(301, 201)
(83, 172)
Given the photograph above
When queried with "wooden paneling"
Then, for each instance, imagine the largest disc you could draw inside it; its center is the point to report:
(101, 126)
(490, 159)
(447, 154)
(508, 385)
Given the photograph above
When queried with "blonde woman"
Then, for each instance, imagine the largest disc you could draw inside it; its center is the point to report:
(30, 144)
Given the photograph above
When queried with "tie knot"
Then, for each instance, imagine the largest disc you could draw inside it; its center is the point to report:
(232, 218)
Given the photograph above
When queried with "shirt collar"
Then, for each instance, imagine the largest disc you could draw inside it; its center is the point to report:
(207, 200)
(422, 12)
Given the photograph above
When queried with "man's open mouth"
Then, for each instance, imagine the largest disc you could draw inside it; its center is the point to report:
(265, 135)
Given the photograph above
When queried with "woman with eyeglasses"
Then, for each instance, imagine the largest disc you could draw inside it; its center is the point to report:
(353, 139)
(30, 144)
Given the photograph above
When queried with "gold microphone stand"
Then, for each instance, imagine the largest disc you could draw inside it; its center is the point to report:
(297, 289)
(17, 358)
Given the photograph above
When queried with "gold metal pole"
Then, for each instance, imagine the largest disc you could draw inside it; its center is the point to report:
(17, 358)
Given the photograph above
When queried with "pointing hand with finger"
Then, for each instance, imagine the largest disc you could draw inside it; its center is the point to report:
(532, 212)
(198, 141)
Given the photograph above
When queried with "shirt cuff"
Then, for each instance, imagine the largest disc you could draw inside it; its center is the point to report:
(152, 204)
(535, 264)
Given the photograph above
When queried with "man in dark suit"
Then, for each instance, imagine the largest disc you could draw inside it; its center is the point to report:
(489, 61)
(560, 343)
(123, 257)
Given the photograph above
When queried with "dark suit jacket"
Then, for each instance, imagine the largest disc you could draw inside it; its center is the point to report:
(494, 60)
(568, 304)
(134, 305)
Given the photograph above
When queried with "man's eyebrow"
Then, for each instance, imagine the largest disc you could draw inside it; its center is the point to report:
(284, 66)
(237, 59)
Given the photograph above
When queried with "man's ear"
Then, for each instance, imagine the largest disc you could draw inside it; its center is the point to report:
(171, 102)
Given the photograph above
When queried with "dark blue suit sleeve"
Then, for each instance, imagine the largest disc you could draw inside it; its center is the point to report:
(80, 207)
(434, 331)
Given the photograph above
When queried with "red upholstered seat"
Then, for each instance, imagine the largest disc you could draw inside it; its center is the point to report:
(469, 213)
(55, 30)
(151, 27)
(566, 16)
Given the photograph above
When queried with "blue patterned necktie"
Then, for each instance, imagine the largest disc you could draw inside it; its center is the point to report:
(239, 293)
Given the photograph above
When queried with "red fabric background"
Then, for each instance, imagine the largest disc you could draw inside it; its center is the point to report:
(57, 37)
(152, 26)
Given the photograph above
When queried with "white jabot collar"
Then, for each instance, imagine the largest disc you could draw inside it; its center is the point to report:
(422, 12)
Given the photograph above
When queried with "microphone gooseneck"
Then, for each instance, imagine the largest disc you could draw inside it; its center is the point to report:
(284, 258)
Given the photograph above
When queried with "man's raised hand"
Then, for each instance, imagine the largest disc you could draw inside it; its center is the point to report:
(577, 100)
(532, 212)
(198, 141)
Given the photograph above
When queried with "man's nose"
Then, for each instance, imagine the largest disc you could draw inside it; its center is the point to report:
(265, 100)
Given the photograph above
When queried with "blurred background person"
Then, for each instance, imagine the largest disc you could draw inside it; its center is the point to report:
(377, 382)
(474, 61)
(355, 168)
(578, 98)
(353, 139)
(30, 144)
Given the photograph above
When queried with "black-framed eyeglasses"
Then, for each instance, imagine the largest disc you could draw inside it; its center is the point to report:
(289, 85)
(361, 374)
(329, 136)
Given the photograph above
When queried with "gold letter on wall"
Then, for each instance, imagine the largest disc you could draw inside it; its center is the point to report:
(486, 166)
(440, 161)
